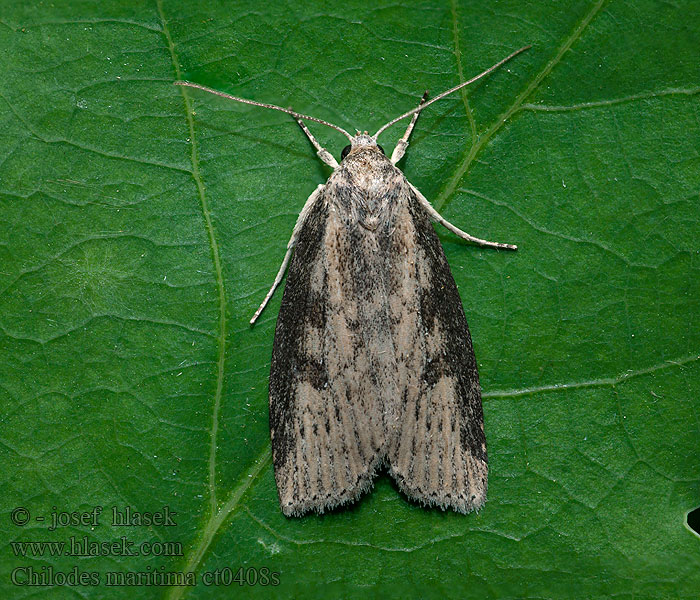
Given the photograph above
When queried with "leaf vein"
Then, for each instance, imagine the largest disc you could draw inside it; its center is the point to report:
(557, 234)
(460, 70)
(604, 381)
(611, 101)
(453, 182)
(209, 226)
(217, 519)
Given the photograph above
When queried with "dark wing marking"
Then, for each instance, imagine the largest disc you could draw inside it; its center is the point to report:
(438, 451)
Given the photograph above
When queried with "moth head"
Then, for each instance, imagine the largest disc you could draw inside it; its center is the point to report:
(361, 141)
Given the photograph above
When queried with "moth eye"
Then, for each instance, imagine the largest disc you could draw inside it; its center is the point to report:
(381, 149)
(345, 152)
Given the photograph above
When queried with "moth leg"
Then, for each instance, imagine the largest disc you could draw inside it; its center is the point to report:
(290, 246)
(323, 154)
(436, 216)
(402, 144)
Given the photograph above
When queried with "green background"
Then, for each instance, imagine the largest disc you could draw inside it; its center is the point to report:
(143, 223)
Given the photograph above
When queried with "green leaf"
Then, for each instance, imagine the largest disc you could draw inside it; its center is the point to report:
(143, 223)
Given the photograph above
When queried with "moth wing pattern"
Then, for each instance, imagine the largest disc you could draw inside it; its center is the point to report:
(326, 422)
(437, 452)
(372, 361)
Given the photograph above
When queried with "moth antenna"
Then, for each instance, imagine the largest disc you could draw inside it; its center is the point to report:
(451, 90)
(296, 115)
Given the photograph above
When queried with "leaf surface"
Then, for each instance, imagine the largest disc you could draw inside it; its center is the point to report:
(143, 223)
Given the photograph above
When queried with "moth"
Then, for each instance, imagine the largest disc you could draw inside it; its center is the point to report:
(372, 362)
